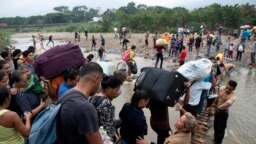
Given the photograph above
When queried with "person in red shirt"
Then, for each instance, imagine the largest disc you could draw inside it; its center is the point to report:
(182, 56)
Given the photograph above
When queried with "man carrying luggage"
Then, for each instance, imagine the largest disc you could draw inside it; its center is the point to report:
(159, 119)
(194, 96)
(159, 55)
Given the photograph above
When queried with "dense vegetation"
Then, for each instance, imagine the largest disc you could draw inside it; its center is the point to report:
(4, 38)
(143, 18)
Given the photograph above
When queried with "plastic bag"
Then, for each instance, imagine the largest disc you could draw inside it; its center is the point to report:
(161, 42)
(108, 67)
(196, 70)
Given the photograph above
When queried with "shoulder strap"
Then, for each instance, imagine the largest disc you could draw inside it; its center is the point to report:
(3, 111)
(66, 98)
(99, 100)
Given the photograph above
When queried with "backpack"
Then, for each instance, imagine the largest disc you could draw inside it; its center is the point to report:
(98, 101)
(44, 130)
(126, 55)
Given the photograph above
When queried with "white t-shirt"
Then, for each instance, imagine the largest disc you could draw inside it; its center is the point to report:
(240, 48)
(196, 91)
(231, 48)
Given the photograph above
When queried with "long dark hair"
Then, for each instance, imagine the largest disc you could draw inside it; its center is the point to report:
(110, 81)
(138, 95)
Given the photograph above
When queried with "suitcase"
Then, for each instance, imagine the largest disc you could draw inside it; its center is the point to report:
(53, 61)
(164, 86)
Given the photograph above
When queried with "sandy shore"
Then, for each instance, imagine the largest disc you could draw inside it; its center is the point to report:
(113, 45)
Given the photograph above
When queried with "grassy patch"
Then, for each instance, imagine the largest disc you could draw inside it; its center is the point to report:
(5, 38)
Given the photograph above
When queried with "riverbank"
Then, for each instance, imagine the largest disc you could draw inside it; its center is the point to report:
(113, 45)
(241, 120)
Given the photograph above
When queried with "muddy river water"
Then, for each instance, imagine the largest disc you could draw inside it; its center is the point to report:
(241, 128)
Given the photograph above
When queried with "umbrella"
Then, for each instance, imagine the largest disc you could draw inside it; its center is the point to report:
(245, 27)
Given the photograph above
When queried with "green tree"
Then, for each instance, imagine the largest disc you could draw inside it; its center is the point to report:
(62, 9)
(79, 13)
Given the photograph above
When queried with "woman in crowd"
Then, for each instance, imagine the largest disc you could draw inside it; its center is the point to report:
(102, 102)
(11, 126)
(25, 101)
(133, 119)
(184, 127)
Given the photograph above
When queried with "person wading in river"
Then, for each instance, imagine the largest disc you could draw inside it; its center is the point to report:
(225, 99)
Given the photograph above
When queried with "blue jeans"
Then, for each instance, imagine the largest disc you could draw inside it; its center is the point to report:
(202, 100)
(208, 50)
(190, 48)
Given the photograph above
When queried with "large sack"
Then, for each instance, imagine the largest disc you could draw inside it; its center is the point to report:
(53, 61)
(196, 70)
(161, 42)
(108, 67)
(163, 86)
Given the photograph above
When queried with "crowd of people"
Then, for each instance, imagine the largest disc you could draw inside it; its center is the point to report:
(86, 94)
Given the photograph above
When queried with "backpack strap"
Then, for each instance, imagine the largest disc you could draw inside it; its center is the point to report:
(98, 100)
(67, 98)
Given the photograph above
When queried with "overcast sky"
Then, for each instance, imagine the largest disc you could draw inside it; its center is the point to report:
(12, 8)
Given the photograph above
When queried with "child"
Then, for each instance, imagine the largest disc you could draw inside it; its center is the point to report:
(71, 77)
(133, 119)
(230, 54)
(182, 56)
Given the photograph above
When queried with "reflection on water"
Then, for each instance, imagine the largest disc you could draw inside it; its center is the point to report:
(241, 123)
(241, 126)
(24, 43)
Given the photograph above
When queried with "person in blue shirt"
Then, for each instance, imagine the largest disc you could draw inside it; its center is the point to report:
(71, 77)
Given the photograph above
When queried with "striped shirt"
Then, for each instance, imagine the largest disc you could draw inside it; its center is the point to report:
(26, 102)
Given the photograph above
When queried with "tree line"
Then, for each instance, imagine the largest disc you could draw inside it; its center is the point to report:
(143, 18)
